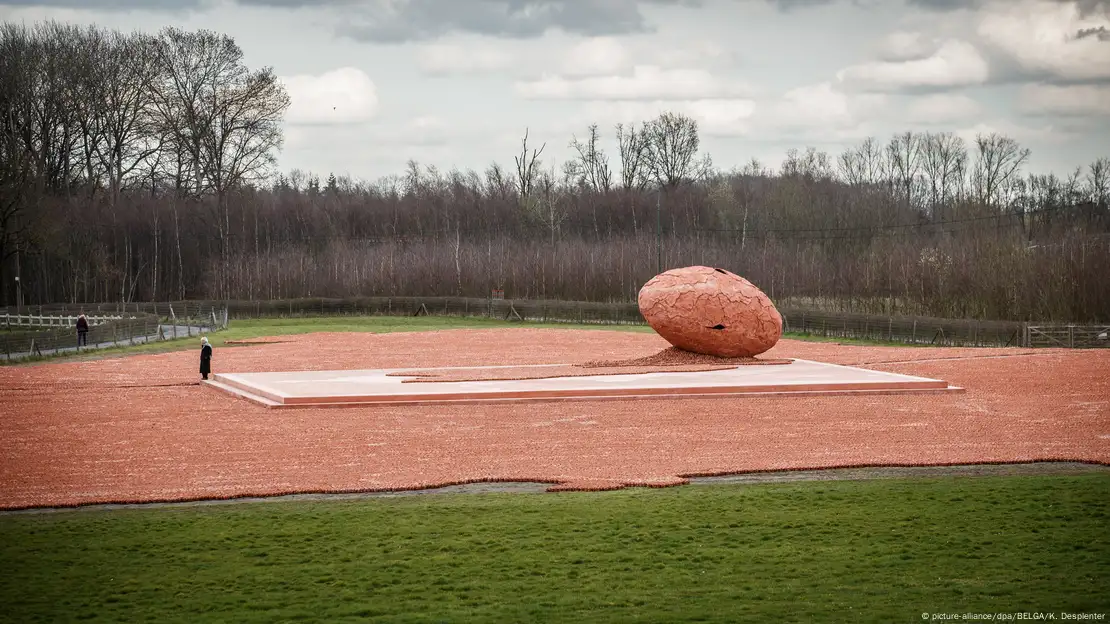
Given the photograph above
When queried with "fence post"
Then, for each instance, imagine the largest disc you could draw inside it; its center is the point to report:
(1071, 336)
(913, 338)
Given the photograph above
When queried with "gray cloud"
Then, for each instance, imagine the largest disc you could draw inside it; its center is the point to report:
(107, 5)
(1101, 33)
(945, 5)
(790, 5)
(297, 4)
(1086, 7)
(415, 20)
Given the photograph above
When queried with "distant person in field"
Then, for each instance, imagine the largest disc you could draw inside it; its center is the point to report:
(205, 358)
(82, 330)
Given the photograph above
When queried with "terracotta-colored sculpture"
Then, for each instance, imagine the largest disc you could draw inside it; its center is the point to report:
(710, 311)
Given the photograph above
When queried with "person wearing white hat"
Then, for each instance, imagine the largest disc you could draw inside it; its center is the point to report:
(205, 358)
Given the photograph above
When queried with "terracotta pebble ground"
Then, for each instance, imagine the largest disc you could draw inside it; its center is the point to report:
(139, 428)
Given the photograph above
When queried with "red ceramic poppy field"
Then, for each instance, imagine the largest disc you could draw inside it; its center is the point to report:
(140, 429)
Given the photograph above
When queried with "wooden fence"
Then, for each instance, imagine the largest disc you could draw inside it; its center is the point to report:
(17, 321)
(1068, 336)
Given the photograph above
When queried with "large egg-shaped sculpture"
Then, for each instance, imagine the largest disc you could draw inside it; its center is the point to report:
(710, 311)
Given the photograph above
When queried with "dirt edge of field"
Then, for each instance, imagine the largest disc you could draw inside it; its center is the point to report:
(863, 473)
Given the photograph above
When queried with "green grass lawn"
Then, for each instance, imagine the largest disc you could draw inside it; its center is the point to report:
(871, 551)
(256, 328)
(281, 326)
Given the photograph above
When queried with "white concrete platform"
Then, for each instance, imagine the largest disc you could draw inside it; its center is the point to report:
(376, 387)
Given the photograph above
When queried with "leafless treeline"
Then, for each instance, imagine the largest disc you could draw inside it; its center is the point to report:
(91, 119)
(146, 184)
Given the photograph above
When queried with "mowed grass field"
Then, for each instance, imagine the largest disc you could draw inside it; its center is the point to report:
(864, 551)
(257, 328)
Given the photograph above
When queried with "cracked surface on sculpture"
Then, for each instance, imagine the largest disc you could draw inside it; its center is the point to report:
(710, 311)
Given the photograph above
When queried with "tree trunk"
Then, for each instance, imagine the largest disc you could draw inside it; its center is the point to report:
(458, 265)
(177, 245)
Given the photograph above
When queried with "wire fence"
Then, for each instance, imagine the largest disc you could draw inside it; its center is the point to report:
(912, 330)
(51, 330)
(896, 329)
(906, 329)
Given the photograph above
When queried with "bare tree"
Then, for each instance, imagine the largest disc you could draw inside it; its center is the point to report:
(998, 160)
(865, 164)
(245, 133)
(53, 133)
(1098, 182)
(132, 138)
(591, 167)
(498, 184)
(943, 159)
(633, 146)
(813, 165)
(18, 59)
(903, 153)
(549, 205)
(722, 196)
(754, 168)
(223, 117)
(526, 167)
(672, 148)
(849, 166)
(86, 55)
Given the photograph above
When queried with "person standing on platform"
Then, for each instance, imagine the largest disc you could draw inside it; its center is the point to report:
(205, 358)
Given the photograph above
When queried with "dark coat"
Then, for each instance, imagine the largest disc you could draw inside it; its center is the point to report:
(206, 359)
(82, 324)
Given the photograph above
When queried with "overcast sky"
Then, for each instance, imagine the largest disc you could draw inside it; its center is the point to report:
(454, 83)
